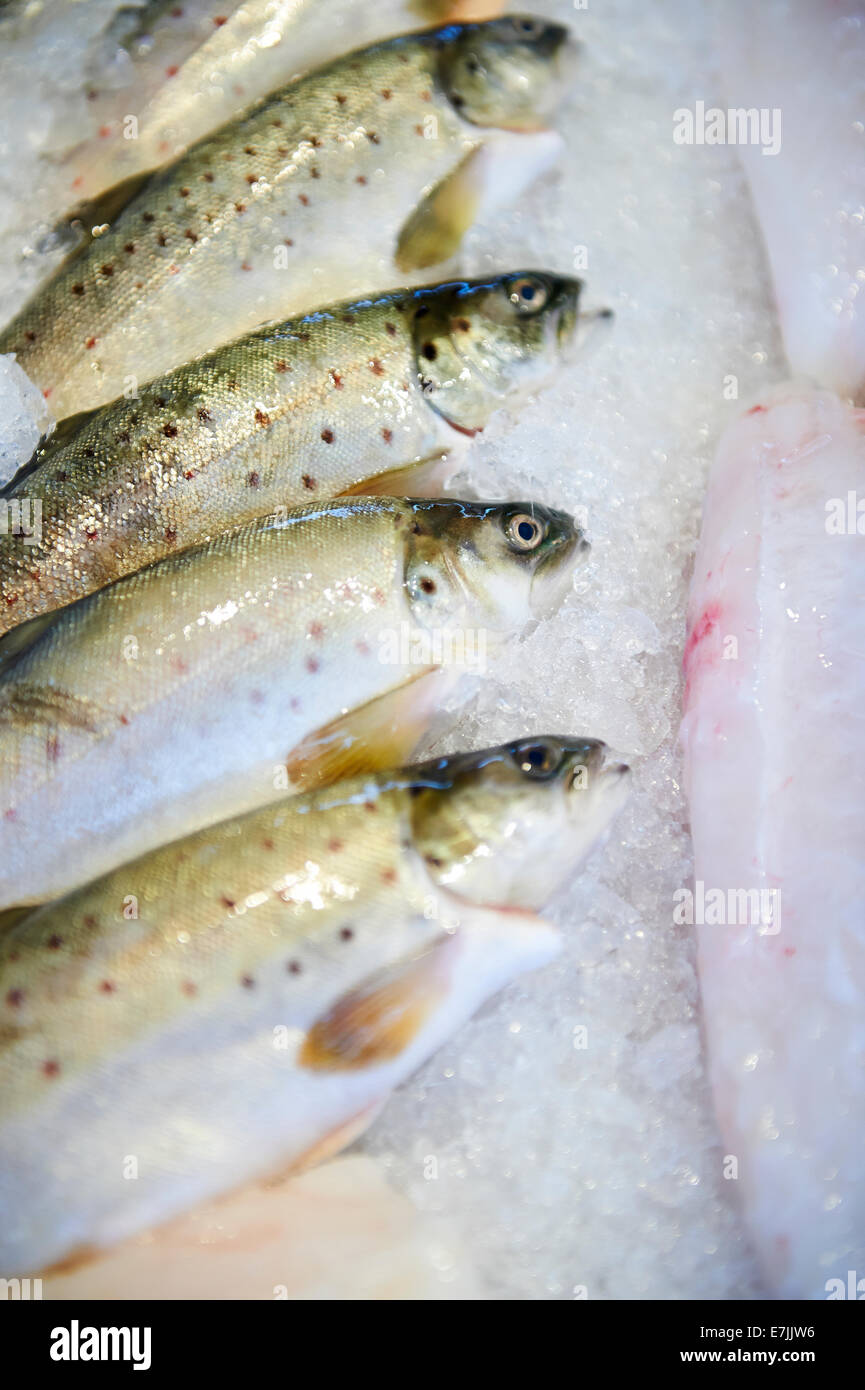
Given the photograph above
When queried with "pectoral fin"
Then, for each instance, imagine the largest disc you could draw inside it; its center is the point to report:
(28, 707)
(380, 734)
(491, 177)
(377, 1021)
(426, 478)
(338, 1138)
(435, 229)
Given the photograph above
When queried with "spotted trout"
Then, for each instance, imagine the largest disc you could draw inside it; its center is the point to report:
(373, 165)
(183, 70)
(284, 651)
(377, 396)
(243, 1001)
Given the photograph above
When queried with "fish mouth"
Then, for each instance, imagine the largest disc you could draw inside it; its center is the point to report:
(561, 320)
(564, 311)
(589, 330)
(563, 52)
(553, 576)
(610, 779)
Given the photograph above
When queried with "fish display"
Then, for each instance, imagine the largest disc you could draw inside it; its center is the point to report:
(244, 1000)
(405, 142)
(233, 601)
(189, 691)
(378, 396)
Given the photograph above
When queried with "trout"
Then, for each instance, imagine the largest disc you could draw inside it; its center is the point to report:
(244, 1001)
(372, 397)
(280, 653)
(372, 165)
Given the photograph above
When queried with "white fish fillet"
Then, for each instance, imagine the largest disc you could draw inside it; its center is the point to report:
(334, 1232)
(807, 62)
(774, 734)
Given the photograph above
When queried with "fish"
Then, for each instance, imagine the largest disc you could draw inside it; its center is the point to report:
(403, 143)
(376, 396)
(773, 732)
(184, 75)
(242, 1002)
(286, 651)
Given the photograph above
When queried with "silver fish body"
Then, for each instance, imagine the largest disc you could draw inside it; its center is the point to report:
(244, 1000)
(372, 396)
(392, 142)
(196, 688)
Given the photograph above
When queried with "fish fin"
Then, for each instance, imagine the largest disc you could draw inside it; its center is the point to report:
(84, 220)
(19, 639)
(434, 230)
(426, 478)
(506, 939)
(29, 706)
(338, 1138)
(377, 1021)
(11, 916)
(380, 734)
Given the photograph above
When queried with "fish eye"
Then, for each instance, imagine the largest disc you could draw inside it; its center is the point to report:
(525, 532)
(528, 294)
(537, 760)
(528, 27)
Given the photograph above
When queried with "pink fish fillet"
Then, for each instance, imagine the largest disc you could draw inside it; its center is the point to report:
(774, 734)
(774, 723)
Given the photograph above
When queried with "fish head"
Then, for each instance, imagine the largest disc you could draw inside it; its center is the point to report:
(507, 826)
(487, 564)
(507, 72)
(479, 342)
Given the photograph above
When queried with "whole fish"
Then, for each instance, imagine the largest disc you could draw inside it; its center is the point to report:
(194, 689)
(376, 396)
(376, 163)
(245, 1000)
(184, 74)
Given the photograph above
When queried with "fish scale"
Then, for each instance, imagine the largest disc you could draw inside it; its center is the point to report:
(244, 1000)
(301, 411)
(177, 695)
(248, 224)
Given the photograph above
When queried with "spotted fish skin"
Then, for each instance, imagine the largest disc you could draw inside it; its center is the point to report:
(245, 999)
(250, 222)
(177, 696)
(238, 53)
(332, 402)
